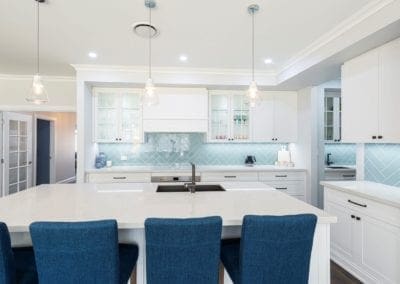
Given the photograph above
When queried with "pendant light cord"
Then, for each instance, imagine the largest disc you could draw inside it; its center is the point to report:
(150, 42)
(252, 51)
(37, 39)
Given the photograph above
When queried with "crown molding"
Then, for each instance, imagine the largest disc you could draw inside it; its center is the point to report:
(45, 78)
(168, 70)
(49, 108)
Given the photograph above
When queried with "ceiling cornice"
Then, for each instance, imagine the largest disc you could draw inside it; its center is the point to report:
(45, 78)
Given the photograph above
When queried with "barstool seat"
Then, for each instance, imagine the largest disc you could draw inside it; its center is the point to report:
(81, 252)
(273, 249)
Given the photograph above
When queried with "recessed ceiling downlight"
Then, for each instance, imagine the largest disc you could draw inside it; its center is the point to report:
(144, 29)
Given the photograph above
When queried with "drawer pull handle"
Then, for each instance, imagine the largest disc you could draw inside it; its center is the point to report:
(348, 176)
(356, 203)
(229, 176)
(281, 176)
(119, 177)
(281, 188)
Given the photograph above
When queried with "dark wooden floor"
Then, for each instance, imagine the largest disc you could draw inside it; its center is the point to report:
(341, 276)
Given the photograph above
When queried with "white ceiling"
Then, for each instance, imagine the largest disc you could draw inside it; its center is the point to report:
(213, 33)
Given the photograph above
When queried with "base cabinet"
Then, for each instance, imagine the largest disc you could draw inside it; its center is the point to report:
(364, 242)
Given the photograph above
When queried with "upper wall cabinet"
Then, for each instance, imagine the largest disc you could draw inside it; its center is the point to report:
(117, 115)
(370, 96)
(179, 110)
(229, 117)
(275, 118)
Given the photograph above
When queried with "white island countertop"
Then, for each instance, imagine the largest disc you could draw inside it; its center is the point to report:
(386, 194)
(131, 204)
(187, 168)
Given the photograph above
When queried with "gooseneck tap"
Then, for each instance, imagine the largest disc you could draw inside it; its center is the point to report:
(192, 185)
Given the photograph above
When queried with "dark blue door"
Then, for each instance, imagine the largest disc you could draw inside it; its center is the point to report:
(43, 152)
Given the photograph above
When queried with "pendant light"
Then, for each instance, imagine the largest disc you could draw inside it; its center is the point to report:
(38, 94)
(149, 96)
(252, 93)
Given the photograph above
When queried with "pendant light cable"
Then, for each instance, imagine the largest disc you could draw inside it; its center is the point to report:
(252, 51)
(150, 36)
(37, 38)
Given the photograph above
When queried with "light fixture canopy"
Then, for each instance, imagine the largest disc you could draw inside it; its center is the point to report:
(38, 94)
(149, 96)
(252, 93)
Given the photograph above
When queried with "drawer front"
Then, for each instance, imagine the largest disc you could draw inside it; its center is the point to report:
(229, 176)
(340, 175)
(118, 177)
(288, 175)
(366, 206)
(289, 187)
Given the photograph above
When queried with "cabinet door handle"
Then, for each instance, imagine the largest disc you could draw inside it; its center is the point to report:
(352, 216)
(348, 176)
(358, 218)
(229, 176)
(281, 176)
(380, 137)
(119, 177)
(356, 203)
(281, 188)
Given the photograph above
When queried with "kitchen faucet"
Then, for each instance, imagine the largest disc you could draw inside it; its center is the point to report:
(192, 185)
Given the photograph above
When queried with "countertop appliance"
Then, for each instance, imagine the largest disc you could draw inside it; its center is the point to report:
(250, 160)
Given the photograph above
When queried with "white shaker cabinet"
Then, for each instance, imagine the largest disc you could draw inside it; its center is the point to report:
(366, 239)
(275, 118)
(117, 115)
(370, 96)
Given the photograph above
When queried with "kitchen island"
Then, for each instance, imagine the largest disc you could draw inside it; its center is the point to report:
(131, 204)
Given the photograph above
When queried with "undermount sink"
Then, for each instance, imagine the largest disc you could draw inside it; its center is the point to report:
(337, 167)
(183, 188)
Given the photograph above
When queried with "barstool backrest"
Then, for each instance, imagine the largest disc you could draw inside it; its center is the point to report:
(276, 249)
(7, 264)
(76, 252)
(183, 251)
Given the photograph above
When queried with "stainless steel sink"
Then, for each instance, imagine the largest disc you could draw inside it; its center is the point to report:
(183, 188)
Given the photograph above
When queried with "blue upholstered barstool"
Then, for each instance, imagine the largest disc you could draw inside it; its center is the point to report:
(272, 249)
(182, 251)
(16, 265)
(81, 252)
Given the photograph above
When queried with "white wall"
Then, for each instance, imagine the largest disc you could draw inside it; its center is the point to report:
(15, 88)
(305, 151)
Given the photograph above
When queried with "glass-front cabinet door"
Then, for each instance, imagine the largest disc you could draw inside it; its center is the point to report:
(117, 115)
(229, 117)
(332, 115)
(219, 116)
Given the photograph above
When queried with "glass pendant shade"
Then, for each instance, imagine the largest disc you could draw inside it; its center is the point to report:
(149, 96)
(253, 94)
(38, 94)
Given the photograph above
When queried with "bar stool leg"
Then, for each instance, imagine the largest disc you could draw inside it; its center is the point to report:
(221, 273)
(133, 276)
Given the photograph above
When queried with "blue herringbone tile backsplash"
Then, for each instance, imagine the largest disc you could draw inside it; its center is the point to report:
(382, 163)
(163, 149)
(342, 154)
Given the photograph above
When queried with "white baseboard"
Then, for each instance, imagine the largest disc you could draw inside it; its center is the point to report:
(68, 180)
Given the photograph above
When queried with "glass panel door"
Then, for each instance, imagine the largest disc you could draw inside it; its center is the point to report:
(18, 152)
(130, 121)
(240, 118)
(219, 113)
(107, 117)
